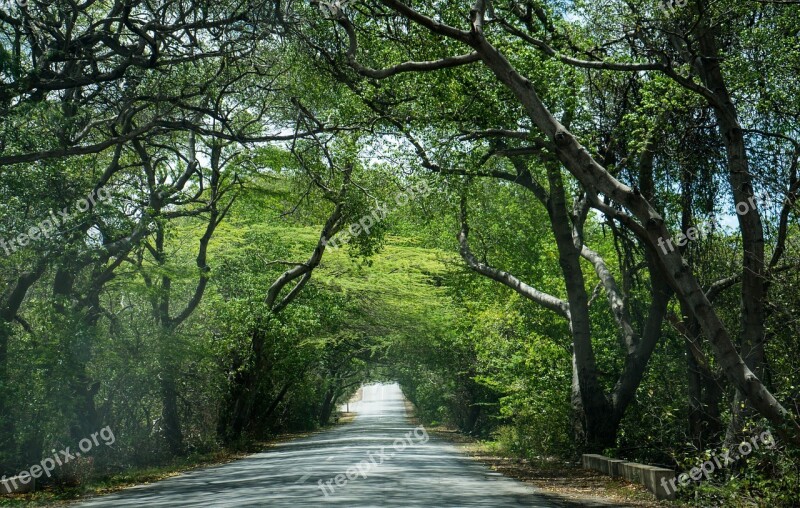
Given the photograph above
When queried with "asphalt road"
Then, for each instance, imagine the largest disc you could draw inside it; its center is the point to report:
(378, 460)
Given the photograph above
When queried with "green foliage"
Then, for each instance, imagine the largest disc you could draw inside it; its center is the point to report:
(92, 342)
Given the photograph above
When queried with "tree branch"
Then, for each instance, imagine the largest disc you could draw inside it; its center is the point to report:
(547, 301)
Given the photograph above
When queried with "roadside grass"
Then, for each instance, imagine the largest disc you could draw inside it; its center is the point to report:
(55, 495)
(570, 482)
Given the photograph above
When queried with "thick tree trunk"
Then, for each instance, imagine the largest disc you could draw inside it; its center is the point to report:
(241, 411)
(473, 417)
(638, 357)
(704, 388)
(600, 428)
(713, 426)
(753, 292)
(83, 389)
(578, 416)
(168, 379)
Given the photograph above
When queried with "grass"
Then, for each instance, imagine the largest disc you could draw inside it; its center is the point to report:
(59, 496)
(63, 496)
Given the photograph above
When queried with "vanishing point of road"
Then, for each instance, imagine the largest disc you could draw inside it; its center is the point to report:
(378, 460)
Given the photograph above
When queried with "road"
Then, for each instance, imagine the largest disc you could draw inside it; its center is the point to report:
(379, 460)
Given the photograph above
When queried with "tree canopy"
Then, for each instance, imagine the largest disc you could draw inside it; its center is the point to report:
(565, 226)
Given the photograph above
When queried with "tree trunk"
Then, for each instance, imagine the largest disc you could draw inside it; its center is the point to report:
(753, 292)
(236, 407)
(169, 413)
(277, 400)
(241, 400)
(695, 399)
(600, 428)
(84, 389)
(327, 406)
(638, 356)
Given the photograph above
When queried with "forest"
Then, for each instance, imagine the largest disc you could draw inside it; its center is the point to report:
(562, 226)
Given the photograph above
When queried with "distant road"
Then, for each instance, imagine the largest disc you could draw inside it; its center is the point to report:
(390, 463)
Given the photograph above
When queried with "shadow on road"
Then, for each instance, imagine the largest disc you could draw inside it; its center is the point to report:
(379, 459)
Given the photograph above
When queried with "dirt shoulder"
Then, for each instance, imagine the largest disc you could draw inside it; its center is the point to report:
(563, 480)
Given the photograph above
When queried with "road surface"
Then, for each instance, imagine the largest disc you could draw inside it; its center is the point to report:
(378, 460)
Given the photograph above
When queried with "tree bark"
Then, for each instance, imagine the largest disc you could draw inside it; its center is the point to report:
(327, 405)
(601, 428)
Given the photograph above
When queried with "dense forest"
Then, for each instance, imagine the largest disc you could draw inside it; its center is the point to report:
(564, 226)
